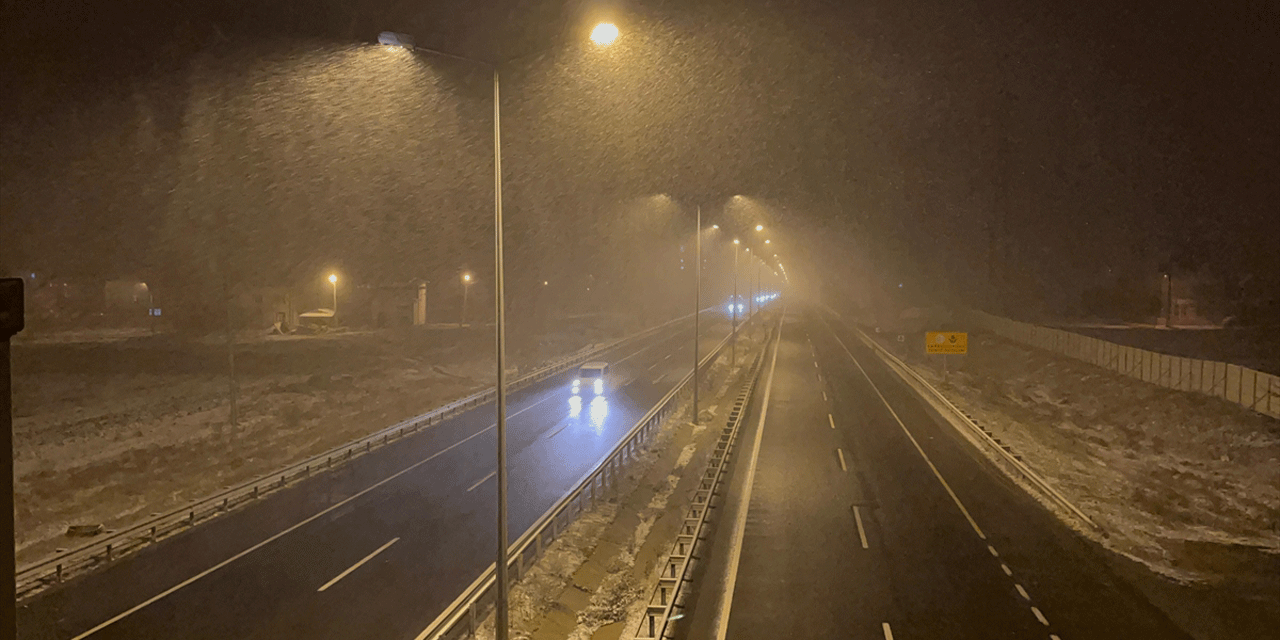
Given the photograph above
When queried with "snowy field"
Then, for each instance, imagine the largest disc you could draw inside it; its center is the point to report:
(110, 429)
(1180, 481)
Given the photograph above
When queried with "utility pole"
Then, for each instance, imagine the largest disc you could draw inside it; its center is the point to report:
(697, 304)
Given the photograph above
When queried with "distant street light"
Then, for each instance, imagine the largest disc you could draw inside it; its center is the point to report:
(333, 280)
(759, 227)
(466, 286)
(766, 242)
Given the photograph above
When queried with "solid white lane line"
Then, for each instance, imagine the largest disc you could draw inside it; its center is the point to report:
(735, 546)
(482, 481)
(338, 505)
(842, 465)
(357, 565)
(862, 534)
(888, 633)
(1040, 616)
(1007, 571)
(936, 473)
(831, 421)
(1022, 592)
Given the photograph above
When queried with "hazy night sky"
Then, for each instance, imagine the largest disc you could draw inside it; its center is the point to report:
(887, 138)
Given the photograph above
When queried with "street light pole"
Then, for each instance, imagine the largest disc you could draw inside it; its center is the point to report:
(333, 280)
(697, 304)
(733, 342)
(500, 345)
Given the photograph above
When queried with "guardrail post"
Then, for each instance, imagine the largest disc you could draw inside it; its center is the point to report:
(57, 573)
(255, 491)
(152, 536)
(191, 518)
(108, 552)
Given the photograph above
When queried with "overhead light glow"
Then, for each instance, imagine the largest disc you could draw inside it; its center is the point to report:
(604, 34)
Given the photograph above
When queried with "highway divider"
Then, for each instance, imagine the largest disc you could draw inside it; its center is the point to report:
(462, 617)
(113, 545)
(670, 592)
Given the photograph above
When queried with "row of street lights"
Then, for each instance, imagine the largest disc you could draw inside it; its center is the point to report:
(604, 34)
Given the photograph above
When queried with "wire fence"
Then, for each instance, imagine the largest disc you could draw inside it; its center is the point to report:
(1253, 390)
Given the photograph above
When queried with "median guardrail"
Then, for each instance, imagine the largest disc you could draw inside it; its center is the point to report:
(461, 618)
(669, 594)
(113, 545)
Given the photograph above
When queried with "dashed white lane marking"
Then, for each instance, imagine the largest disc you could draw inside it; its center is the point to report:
(862, 534)
(338, 505)
(654, 365)
(1007, 570)
(936, 473)
(831, 421)
(482, 481)
(993, 551)
(888, 633)
(668, 357)
(1054, 636)
(815, 364)
(1040, 616)
(357, 565)
(1022, 592)
(735, 540)
(842, 465)
(824, 396)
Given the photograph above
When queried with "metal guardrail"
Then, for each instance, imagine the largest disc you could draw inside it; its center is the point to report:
(1021, 467)
(676, 570)
(461, 618)
(114, 545)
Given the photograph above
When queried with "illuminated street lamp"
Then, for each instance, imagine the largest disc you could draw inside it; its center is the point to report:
(333, 280)
(603, 35)
(759, 227)
(466, 286)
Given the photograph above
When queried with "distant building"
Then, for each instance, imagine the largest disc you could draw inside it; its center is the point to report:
(261, 307)
(388, 305)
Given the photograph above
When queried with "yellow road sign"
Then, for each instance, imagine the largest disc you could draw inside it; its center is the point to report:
(947, 342)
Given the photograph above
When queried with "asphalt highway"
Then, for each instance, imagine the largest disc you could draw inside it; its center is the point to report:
(377, 548)
(864, 515)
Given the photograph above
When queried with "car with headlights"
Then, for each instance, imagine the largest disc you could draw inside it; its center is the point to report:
(592, 376)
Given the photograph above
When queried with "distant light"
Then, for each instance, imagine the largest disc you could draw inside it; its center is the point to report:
(466, 277)
(544, 283)
(766, 242)
(715, 226)
(899, 285)
(333, 279)
(759, 227)
(604, 34)
(735, 241)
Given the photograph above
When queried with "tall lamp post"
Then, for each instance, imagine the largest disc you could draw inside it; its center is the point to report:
(603, 35)
(333, 280)
(466, 286)
(733, 341)
(697, 303)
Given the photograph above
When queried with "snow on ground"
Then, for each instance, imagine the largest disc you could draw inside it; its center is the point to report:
(1186, 484)
(110, 430)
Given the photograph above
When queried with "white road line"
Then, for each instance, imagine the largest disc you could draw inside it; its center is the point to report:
(735, 546)
(831, 421)
(668, 357)
(1022, 592)
(888, 633)
(1007, 571)
(1040, 616)
(482, 481)
(927, 461)
(862, 534)
(993, 551)
(824, 396)
(338, 505)
(1054, 636)
(654, 365)
(841, 454)
(357, 565)
(815, 364)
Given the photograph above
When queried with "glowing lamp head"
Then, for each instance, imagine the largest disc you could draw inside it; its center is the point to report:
(333, 279)
(604, 34)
